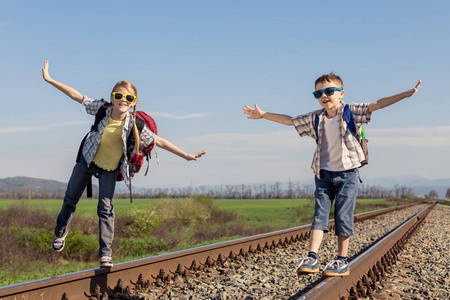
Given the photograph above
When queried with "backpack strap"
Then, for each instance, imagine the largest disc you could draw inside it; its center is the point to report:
(130, 145)
(349, 119)
(130, 140)
(316, 127)
(99, 115)
(351, 124)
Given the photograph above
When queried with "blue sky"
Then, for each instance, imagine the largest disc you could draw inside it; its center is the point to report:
(196, 63)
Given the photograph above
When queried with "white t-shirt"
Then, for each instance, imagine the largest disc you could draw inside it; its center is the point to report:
(331, 151)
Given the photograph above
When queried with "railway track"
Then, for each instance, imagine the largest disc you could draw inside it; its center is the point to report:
(367, 268)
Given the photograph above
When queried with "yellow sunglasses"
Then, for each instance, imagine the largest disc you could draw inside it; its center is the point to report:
(119, 96)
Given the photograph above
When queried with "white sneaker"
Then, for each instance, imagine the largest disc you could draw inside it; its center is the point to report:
(58, 242)
(307, 265)
(106, 261)
(336, 268)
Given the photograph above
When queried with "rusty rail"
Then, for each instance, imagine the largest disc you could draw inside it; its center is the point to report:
(97, 283)
(370, 267)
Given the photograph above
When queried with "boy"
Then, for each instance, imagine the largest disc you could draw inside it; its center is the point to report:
(335, 164)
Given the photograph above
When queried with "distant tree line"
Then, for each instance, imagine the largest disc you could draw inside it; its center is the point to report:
(31, 194)
(277, 190)
(240, 191)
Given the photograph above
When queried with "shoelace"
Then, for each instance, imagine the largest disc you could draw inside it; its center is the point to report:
(336, 262)
(58, 240)
(300, 261)
(106, 259)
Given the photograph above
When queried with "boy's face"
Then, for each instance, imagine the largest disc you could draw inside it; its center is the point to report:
(330, 103)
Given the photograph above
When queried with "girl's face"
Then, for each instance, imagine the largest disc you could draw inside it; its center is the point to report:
(122, 105)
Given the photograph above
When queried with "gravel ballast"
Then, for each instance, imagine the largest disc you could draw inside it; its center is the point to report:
(272, 274)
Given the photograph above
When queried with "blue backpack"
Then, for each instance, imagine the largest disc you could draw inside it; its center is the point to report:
(359, 135)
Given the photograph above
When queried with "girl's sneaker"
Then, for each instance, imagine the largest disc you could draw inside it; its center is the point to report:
(58, 242)
(336, 268)
(307, 265)
(106, 261)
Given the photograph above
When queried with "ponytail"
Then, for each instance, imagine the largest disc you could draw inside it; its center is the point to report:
(137, 140)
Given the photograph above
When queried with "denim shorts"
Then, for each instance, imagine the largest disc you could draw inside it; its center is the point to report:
(341, 187)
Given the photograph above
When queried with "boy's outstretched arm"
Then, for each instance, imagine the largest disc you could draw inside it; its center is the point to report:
(258, 114)
(72, 93)
(386, 101)
(166, 145)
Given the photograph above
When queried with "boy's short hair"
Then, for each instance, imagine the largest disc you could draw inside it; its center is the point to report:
(330, 77)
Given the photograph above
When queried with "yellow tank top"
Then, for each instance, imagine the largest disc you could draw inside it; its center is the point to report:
(110, 149)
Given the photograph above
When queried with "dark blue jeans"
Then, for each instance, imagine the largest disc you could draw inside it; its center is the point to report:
(341, 187)
(105, 208)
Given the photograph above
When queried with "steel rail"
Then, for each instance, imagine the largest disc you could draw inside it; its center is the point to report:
(147, 271)
(375, 260)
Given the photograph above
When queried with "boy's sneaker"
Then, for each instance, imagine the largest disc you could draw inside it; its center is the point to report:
(307, 265)
(58, 243)
(106, 261)
(337, 267)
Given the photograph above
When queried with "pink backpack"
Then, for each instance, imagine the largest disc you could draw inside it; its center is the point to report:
(137, 160)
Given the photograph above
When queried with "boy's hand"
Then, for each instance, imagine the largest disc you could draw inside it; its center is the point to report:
(253, 113)
(195, 156)
(386, 101)
(45, 71)
(414, 90)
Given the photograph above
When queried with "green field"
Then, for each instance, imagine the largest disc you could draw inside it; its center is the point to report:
(278, 213)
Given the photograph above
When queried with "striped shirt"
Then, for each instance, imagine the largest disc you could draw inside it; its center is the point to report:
(93, 140)
(352, 153)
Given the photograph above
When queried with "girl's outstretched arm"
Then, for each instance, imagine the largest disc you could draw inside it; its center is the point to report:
(72, 93)
(166, 145)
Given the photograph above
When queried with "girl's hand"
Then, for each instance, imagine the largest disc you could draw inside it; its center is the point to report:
(195, 156)
(45, 71)
(253, 113)
(414, 90)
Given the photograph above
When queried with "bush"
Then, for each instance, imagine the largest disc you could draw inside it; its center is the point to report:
(171, 232)
(188, 211)
(138, 222)
(80, 246)
(22, 216)
(9, 249)
(35, 239)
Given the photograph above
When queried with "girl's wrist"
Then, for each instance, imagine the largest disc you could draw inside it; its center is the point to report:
(263, 113)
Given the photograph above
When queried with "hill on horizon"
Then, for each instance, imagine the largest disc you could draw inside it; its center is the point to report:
(23, 183)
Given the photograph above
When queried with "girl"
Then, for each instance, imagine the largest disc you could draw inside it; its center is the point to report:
(104, 153)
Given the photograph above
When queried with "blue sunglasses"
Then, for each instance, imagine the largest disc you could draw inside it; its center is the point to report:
(328, 92)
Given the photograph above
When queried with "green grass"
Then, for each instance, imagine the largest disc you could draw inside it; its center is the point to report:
(278, 213)
(444, 202)
(85, 208)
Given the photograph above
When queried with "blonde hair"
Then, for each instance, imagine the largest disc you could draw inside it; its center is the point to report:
(131, 87)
